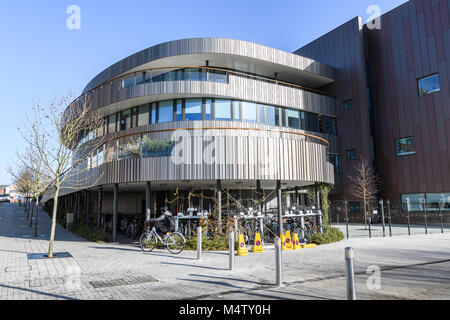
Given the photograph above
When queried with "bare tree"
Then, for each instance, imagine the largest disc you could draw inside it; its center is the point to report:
(55, 134)
(364, 183)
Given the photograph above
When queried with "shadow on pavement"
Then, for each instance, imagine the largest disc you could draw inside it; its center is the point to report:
(193, 265)
(38, 292)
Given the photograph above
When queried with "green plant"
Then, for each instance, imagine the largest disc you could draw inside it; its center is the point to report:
(208, 243)
(131, 149)
(330, 235)
(156, 146)
(324, 191)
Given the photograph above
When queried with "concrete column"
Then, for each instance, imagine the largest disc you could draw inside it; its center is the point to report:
(115, 208)
(78, 208)
(280, 213)
(148, 200)
(259, 191)
(86, 218)
(219, 201)
(99, 207)
(297, 202)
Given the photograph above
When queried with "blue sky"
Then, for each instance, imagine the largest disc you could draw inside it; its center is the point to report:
(40, 57)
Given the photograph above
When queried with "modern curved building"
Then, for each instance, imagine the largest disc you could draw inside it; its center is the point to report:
(198, 115)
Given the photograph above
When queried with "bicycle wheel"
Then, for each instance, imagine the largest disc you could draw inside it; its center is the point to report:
(175, 243)
(148, 242)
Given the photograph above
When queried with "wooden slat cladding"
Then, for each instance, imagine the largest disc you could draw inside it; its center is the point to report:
(238, 88)
(222, 154)
(212, 46)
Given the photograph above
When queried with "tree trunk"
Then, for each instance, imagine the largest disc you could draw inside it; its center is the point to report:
(32, 213)
(36, 222)
(365, 213)
(52, 233)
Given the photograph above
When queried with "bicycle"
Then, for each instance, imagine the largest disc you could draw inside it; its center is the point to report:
(174, 242)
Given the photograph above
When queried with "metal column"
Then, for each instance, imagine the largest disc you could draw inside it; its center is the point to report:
(148, 200)
(219, 202)
(115, 208)
(280, 213)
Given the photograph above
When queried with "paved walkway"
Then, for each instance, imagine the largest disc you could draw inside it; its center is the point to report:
(113, 271)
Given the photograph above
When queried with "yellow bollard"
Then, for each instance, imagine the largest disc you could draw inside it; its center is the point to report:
(288, 240)
(296, 243)
(258, 244)
(242, 249)
(283, 242)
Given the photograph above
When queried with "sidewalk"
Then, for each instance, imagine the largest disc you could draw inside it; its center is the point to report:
(113, 271)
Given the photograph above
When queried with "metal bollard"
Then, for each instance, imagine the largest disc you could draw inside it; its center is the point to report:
(278, 262)
(408, 208)
(199, 243)
(302, 226)
(425, 216)
(231, 251)
(351, 293)
(382, 217)
(370, 229)
(320, 223)
(388, 206)
(346, 217)
(441, 206)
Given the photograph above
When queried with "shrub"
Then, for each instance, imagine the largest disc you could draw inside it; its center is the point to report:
(329, 236)
(208, 243)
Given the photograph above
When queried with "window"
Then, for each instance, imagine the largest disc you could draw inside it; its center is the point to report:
(261, 118)
(193, 109)
(218, 76)
(354, 206)
(432, 201)
(165, 111)
(153, 114)
(112, 123)
(271, 118)
(195, 74)
(348, 105)
(351, 154)
(208, 109)
(237, 110)
(429, 84)
(405, 146)
(328, 125)
(334, 160)
(125, 122)
(249, 111)
(303, 120)
(223, 110)
(312, 122)
(293, 119)
(179, 110)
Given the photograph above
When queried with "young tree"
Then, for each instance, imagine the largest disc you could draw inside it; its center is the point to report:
(54, 134)
(364, 183)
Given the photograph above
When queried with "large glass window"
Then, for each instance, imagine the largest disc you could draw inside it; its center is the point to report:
(312, 122)
(237, 110)
(433, 201)
(303, 120)
(165, 111)
(354, 206)
(405, 146)
(415, 201)
(261, 113)
(223, 110)
(153, 114)
(179, 110)
(112, 123)
(334, 160)
(208, 109)
(429, 84)
(329, 125)
(195, 74)
(193, 109)
(293, 119)
(218, 76)
(249, 111)
(125, 122)
(271, 118)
